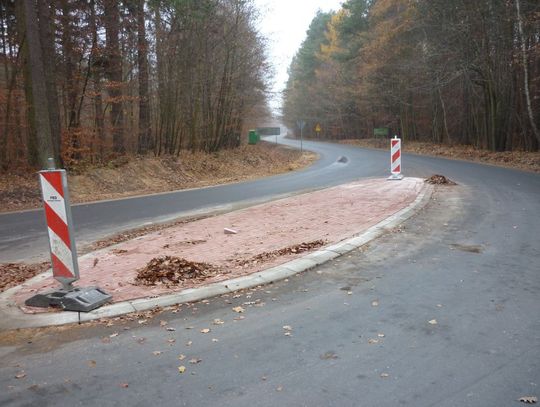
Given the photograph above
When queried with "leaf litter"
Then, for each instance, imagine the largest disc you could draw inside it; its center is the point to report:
(437, 179)
(171, 270)
(528, 399)
(294, 249)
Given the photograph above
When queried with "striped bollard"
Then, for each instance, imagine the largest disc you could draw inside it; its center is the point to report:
(395, 159)
(63, 251)
(59, 226)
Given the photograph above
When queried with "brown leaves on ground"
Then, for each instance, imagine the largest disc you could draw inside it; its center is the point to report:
(295, 249)
(13, 274)
(170, 270)
(528, 399)
(437, 179)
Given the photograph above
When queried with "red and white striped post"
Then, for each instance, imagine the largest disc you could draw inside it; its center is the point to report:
(63, 252)
(59, 226)
(395, 159)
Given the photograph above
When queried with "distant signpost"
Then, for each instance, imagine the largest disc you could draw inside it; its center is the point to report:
(269, 131)
(381, 132)
(318, 129)
(301, 124)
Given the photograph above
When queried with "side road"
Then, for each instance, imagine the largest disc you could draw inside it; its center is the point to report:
(340, 218)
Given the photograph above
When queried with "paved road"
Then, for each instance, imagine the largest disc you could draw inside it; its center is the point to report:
(469, 263)
(23, 234)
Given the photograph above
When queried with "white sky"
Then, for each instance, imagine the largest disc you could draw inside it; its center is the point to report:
(284, 23)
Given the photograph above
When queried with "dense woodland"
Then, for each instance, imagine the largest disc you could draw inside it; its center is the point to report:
(444, 71)
(91, 80)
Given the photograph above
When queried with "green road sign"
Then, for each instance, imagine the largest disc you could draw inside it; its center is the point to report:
(381, 132)
(269, 131)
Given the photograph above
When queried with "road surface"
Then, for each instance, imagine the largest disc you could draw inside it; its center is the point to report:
(442, 312)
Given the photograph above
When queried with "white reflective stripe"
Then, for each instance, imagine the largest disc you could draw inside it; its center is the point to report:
(396, 147)
(58, 204)
(60, 250)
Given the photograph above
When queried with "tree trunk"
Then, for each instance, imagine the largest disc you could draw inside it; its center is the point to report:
(39, 101)
(96, 75)
(526, 73)
(114, 73)
(142, 60)
(49, 63)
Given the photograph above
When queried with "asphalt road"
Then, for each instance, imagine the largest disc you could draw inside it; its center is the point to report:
(442, 312)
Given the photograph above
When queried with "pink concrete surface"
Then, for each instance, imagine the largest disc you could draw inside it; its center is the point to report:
(332, 215)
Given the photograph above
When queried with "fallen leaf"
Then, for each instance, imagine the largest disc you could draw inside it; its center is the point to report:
(188, 343)
(215, 340)
(181, 369)
(171, 341)
(20, 375)
(528, 399)
(238, 309)
(194, 361)
(181, 357)
(384, 375)
(91, 363)
(287, 334)
(114, 335)
(287, 327)
(218, 321)
(142, 321)
(380, 335)
(205, 330)
(329, 355)
(170, 329)
(279, 388)
(156, 353)
(433, 322)
(163, 323)
(372, 341)
(374, 303)
(124, 385)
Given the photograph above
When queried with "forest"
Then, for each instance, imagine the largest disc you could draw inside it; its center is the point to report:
(452, 72)
(93, 80)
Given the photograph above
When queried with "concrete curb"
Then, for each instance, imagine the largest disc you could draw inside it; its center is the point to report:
(11, 317)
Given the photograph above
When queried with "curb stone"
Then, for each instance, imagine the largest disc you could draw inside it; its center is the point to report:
(11, 317)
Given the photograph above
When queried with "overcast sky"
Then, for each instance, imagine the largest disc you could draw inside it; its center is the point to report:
(284, 23)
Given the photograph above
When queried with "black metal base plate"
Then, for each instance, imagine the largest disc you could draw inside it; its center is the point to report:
(79, 299)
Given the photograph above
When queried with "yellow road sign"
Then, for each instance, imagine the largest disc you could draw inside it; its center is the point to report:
(318, 128)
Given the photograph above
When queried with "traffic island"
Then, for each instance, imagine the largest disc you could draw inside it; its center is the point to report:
(342, 218)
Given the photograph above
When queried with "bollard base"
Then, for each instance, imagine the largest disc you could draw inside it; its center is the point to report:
(78, 299)
(395, 177)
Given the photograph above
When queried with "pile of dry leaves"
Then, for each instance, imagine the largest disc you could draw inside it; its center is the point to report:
(170, 270)
(296, 249)
(439, 180)
(12, 274)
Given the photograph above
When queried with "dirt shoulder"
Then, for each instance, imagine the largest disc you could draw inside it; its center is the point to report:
(522, 160)
(146, 175)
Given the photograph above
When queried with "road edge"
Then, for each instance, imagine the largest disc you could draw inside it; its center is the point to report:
(11, 317)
